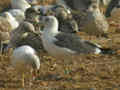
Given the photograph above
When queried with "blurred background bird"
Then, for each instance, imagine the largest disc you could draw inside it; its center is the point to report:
(20, 4)
(7, 24)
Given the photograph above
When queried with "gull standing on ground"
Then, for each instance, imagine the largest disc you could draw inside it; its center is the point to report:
(25, 60)
(20, 4)
(64, 45)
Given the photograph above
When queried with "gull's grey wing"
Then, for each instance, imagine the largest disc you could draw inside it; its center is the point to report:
(74, 43)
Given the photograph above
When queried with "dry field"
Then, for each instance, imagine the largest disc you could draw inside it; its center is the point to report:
(101, 72)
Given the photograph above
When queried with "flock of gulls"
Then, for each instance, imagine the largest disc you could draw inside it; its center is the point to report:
(30, 29)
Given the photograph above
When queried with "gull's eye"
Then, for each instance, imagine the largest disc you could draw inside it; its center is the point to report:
(39, 10)
(94, 6)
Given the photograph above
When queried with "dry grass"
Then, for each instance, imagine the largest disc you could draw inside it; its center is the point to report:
(90, 71)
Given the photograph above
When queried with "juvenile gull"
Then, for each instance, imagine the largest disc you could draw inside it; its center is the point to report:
(20, 4)
(25, 60)
(65, 45)
(24, 34)
(88, 16)
(66, 21)
(95, 22)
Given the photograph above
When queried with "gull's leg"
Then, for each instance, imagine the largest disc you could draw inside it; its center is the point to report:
(1, 50)
(31, 78)
(67, 69)
(23, 80)
(68, 64)
(1, 47)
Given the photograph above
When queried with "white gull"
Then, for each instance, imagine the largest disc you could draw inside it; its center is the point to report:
(25, 60)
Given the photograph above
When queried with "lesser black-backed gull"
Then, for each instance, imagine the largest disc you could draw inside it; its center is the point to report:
(60, 44)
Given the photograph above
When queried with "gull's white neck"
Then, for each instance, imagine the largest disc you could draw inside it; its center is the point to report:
(51, 28)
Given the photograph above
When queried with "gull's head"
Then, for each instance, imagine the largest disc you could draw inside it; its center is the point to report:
(18, 14)
(8, 16)
(62, 11)
(25, 56)
(30, 11)
(32, 15)
(43, 10)
(12, 20)
(50, 23)
(49, 20)
(93, 7)
(39, 9)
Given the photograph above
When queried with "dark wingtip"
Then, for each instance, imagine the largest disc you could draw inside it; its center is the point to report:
(107, 51)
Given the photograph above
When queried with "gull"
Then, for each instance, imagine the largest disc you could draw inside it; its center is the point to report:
(24, 35)
(95, 22)
(66, 21)
(7, 24)
(25, 60)
(89, 18)
(20, 4)
(19, 34)
(11, 20)
(32, 15)
(65, 45)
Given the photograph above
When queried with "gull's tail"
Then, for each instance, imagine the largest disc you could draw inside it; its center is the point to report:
(107, 51)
